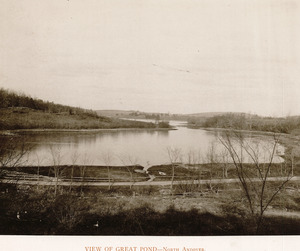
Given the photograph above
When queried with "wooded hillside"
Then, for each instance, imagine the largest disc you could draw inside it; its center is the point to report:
(19, 111)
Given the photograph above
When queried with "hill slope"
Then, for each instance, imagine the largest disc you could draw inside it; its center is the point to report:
(18, 111)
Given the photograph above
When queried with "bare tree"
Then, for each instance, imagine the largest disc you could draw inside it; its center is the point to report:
(199, 160)
(39, 162)
(175, 156)
(225, 163)
(107, 159)
(74, 158)
(258, 192)
(194, 158)
(190, 157)
(292, 157)
(212, 160)
(133, 162)
(86, 160)
(129, 161)
(57, 169)
(12, 151)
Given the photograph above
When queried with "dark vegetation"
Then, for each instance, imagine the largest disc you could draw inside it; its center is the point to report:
(249, 122)
(10, 99)
(187, 208)
(18, 111)
(136, 211)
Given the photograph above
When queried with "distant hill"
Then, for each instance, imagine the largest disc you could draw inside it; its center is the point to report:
(162, 116)
(244, 121)
(114, 113)
(206, 114)
(232, 120)
(141, 115)
(213, 114)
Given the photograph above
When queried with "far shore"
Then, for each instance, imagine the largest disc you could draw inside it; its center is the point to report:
(287, 139)
(9, 132)
(239, 130)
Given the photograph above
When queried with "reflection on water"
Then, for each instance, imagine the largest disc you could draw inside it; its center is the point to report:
(121, 144)
(144, 147)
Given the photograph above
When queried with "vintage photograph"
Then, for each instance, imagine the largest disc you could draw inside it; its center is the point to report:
(149, 118)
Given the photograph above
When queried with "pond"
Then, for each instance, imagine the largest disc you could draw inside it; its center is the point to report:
(146, 147)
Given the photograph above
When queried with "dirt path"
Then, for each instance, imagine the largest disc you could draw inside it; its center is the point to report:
(129, 183)
(282, 213)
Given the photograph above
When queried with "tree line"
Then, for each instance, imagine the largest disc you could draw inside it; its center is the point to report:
(250, 122)
(11, 99)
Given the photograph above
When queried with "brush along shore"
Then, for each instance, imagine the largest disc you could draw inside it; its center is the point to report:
(145, 210)
(137, 173)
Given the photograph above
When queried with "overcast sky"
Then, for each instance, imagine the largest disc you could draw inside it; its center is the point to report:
(178, 56)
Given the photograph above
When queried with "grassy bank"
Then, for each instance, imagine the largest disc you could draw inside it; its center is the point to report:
(215, 171)
(205, 171)
(20, 111)
(15, 118)
(79, 172)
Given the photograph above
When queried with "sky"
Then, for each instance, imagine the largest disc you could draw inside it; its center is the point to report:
(177, 56)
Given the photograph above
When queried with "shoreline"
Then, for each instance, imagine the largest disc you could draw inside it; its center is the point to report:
(13, 132)
(239, 130)
(285, 139)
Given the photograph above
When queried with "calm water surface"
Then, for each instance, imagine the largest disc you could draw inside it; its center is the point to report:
(144, 147)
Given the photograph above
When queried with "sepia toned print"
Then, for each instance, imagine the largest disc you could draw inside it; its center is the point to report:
(149, 118)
